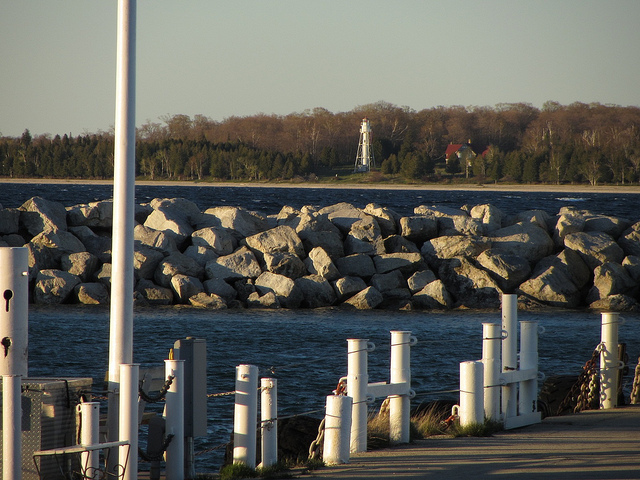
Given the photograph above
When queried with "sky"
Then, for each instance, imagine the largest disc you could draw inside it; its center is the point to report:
(240, 58)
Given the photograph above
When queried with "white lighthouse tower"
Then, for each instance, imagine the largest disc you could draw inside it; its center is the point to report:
(364, 157)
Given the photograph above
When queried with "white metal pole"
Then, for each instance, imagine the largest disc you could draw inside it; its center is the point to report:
(399, 405)
(528, 395)
(510, 353)
(471, 393)
(491, 345)
(174, 415)
(609, 363)
(337, 430)
(14, 306)
(122, 281)
(128, 428)
(89, 435)
(11, 427)
(269, 421)
(357, 383)
(245, 415)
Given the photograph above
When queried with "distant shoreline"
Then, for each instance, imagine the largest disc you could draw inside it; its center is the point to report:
(631, 189)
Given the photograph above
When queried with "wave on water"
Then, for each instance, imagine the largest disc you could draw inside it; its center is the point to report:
(572, 199)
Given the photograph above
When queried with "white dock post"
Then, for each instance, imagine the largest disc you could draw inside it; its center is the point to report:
(174, 416)
(269, 421)
(528, 394)
(609, 363)
(471, 393)
(245, 415)
(399, 405)
(12, 427)
(510, 353)
(89, 435)
(337, 430)
(491, 346)
(128, 424)
(357, 383)
(14, 310)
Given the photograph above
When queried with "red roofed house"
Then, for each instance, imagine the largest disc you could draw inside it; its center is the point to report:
(465, 152)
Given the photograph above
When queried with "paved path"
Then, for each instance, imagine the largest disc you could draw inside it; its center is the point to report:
(590, 445)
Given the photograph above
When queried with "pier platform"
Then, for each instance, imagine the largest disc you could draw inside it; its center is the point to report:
(597, 444)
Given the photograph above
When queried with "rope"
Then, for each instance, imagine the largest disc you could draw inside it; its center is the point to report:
(222, 394)
(212, 449)
(635, 390)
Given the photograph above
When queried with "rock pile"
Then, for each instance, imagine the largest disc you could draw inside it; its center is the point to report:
(437, 258)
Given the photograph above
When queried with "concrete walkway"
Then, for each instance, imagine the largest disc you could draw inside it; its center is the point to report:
(601, 444)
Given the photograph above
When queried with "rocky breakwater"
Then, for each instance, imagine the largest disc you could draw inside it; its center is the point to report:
(229, 257)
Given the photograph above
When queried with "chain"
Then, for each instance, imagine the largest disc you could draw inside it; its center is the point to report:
(222, 394)
(314, 449)
(156, 398)
(584, 390)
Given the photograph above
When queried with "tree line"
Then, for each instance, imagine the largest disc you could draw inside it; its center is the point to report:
(576, 143)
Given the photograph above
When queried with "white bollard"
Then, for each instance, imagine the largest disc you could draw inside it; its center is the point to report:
(471, 393)
(399, 405)
(269, 421)
(174, 417)
(128, 422)
(14, 306)
(12, 427)
(609, 363)
(89, 435)
(337, 430)
(357, 383)
(245, 415)
(528, 392)
(510, 353)
(491, 346)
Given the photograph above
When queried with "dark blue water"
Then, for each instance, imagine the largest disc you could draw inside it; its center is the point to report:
(305, 350)
(269, 200)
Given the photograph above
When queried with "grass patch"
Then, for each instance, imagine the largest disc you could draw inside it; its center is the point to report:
(485, 429)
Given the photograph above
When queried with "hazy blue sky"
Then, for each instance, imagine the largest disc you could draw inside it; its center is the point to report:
(238, 57)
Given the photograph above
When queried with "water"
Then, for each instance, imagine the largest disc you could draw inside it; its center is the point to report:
(269, 200)
(305, 350)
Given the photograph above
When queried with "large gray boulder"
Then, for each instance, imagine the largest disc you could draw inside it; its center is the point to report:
(470, 286)
(616, 303)
(208, 300)
(386, 282)
(439, 249)
(285, 289)
(420, 279)
(244, 222)
(276, 240)
(399, 244)
(419, 228)
(567, 223)
(434, 295)
(146, 261)
(82, 264)
(347, 287)
(630, 240)
(314, 222)
(357, 265)
(92, 293)
(220, 288)
(319, 263)
(525, 239)
(631, 264)
(571, 265)
(317, 292)
(613, 226)
(386, 218)
(218, 239)
(94, 214)
(156, 239)
(239, 265)
(186, 287)
(538, 217)
(508, 270)
(175, 264)
(552, 287)
(331, 242)
(343, 215)
(154, 294)
(367, 299)
(284, 263)
(595, 248)
(490, 217)
(202, 255)
(54, 286)
(98, 245)
(9, 221)
(47, 249)
(40, 215)
(407, 263)
(173, 216)
(611, 279)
